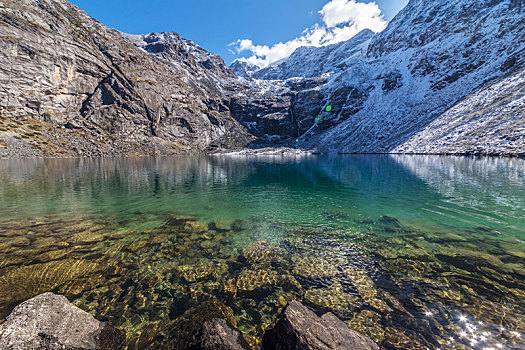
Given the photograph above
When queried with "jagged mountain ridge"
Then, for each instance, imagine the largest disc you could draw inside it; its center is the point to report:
(310, 61)
(452, 52)
(73, 87)
(432, 55)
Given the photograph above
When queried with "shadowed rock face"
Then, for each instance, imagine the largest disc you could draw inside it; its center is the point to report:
(72, 87)
(88, 90)
(51, 322)
(215, 334)
(209, 326)
(298, 328)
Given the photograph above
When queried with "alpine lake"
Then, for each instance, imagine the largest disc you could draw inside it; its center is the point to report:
(417, 252)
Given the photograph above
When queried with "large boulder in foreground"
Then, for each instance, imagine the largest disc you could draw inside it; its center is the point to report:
(298, 328)
(49, 321)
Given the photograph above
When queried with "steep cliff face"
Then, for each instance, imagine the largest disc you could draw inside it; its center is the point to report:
(443, 77)
(432, 55)
(399, 91)
(71, 86)
(489, 120)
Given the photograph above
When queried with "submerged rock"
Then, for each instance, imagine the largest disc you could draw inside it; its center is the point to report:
(211, 325)
(364, 284)
(314, 268)
(50, 322)
(368, 322)
(298, 328)
(70, 276)
(264, 280)
(333, 298)
(263, 253)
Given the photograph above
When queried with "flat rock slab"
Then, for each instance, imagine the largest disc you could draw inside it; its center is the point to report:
(298, 328)
(49, 321)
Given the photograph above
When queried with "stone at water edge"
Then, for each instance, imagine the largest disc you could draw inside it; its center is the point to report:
(298, 328)
(215, 334)
(49, 321)
(209, 326)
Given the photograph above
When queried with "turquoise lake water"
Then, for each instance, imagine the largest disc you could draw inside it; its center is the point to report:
(414, 251)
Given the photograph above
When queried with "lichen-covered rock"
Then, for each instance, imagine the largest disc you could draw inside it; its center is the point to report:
(332, 298)
(263, 253)
(314, 268)
(298, 328)
(51, 322)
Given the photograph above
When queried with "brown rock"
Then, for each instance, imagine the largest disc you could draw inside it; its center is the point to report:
(298, 328)
(211, 325)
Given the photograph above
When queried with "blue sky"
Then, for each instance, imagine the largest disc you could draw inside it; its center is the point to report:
(214, 24)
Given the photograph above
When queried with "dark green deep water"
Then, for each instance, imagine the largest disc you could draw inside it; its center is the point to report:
(415, 251)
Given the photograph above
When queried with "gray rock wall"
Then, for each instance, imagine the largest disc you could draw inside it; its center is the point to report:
(72, 87)
(88, 91)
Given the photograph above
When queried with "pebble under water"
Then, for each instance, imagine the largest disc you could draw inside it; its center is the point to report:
(417, 252)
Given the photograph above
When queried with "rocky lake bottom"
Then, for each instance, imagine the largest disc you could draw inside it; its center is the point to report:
(415, 252)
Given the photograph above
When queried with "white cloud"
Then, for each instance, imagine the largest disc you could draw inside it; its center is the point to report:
(349, 11)
(342, 19)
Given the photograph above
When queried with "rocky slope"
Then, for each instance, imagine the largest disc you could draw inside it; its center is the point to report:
(443, 77)
(72, 87)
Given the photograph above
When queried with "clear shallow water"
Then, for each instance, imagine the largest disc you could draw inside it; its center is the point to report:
(414, 251)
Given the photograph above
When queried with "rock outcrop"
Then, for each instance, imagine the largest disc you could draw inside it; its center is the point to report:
(425, 84)
(51, 322)
(73, 87)
(244, 69)
(298, 328)
(215, 334)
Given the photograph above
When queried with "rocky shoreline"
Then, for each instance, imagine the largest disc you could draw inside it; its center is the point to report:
(25, 153)
(49, 321)
(267, 151)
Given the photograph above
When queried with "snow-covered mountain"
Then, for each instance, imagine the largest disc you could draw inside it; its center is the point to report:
(244, 69)
(443, 77)
(181, 52)
(427, 83)
(310, 61)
